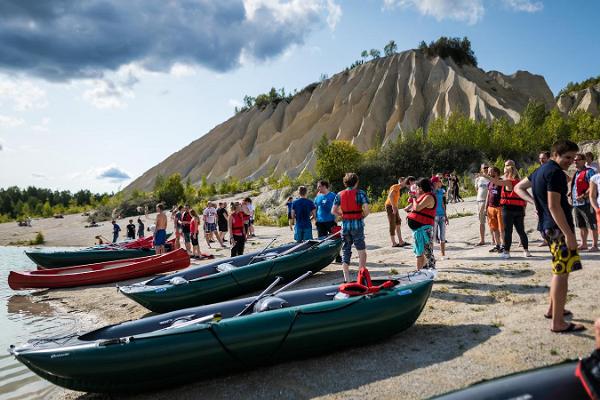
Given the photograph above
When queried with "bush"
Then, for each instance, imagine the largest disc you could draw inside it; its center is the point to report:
(335, 159)
(39, 239)
(458, 49)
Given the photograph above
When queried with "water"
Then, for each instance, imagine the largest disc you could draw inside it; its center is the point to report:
(22, 317)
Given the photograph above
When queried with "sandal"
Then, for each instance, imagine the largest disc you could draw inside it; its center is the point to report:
(405, 244)
(396, 245)
(566, 313)
(571, 328)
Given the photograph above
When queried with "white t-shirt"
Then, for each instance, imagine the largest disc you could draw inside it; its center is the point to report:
(596, 180)
(210, 214)
(251, 209)
(481, 184)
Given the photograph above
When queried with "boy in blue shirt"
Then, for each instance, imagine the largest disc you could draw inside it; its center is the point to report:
(303, 210)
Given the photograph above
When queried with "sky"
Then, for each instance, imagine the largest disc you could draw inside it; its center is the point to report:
(94, 93)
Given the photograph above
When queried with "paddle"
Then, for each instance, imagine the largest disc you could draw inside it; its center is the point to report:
(260, 296)
(292, 283)
(205, 318)
(262, 251)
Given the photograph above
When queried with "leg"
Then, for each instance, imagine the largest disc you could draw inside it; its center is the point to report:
(583, 233)
(597, 333)
(508, 221)
(420, 262)
(392, 224)
(558, 296)
(520, 227)
(346, 254)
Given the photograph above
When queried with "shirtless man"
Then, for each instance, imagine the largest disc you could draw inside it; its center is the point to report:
(160, 232)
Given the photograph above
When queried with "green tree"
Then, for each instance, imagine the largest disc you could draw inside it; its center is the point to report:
(364, 54)
(374, 53)
(390, 49)
(171, 191)
(335, 159)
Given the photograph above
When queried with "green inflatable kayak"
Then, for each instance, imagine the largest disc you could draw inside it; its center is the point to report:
(59, 259)
(200, 342)
(225, 279)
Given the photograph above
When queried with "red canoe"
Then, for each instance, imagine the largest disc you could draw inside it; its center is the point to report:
(104, 272)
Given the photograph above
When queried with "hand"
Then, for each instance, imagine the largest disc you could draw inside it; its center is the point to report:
(446, 220)
(571, 241)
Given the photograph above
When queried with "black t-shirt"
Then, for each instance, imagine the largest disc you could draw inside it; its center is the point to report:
(131, 230)
(221, 215)
(550, 178)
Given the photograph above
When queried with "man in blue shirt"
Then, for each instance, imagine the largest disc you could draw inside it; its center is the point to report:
(324, 204)
(303, 210)
(550, 190)
(116, 230)
(583, 214)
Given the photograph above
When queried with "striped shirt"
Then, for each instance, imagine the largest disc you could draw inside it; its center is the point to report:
(352, 224)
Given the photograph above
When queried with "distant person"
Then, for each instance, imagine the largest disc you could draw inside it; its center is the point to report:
(288, 204)
(140, 230)
(325, 218)
(194, 230)
(584, 217)
(247, 213)
(494, 211)
(160, 230)
(222, 216)
(550, 196)
(595, 197)
(543, 157)
(393, 214)
(513, 210)
(441, 217)
(237, 236)
(210, 224)
(352, 205)
(303, 211)
(176, 217)
(481, 183)
(185, 221)
(116, 230)
(456, 187)
(421, 217)
(251, 209)
(590, 163)
(130, 230)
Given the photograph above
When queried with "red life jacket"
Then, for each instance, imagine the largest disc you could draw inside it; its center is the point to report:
(350, 207)
(237, 223)
(510, 197)
(580, 181)
(363, 285)
(427, 215)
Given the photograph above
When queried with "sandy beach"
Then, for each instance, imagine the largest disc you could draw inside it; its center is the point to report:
(484, 318)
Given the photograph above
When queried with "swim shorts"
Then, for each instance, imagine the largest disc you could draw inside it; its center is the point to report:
(160, 237)
(564, 260)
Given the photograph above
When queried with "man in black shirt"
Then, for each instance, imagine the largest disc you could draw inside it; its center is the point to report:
(550, 190)
(131, 230)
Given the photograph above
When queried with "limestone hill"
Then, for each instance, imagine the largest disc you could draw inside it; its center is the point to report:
(585, 100)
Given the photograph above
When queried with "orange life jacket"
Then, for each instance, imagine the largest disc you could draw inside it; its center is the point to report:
(427, 215)
(580, 181)
(510, 197)
(237, 223)
(350, 207)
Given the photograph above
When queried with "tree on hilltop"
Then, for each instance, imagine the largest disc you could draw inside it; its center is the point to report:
(458, 49)
(390, 49)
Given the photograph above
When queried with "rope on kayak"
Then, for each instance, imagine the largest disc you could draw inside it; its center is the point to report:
(57, 339)
(227, 350)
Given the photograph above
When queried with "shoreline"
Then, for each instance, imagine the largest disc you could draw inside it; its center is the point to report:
(484, 319)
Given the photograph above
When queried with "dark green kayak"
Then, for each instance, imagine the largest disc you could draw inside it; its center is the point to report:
(59, 259)
(194, 343)
(225, 279)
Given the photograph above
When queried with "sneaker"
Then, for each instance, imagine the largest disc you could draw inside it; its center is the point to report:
(505, 255)
(526, 253)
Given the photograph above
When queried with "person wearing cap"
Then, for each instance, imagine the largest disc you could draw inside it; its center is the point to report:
(481, 183)
(441, 217)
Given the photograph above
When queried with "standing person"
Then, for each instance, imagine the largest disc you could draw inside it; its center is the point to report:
(176, 217)
(130, 230)
(494, 211)
(595, 197)
(251, 209)
(543, 157)
(288, 204)
(441, 217)
(160, 230)
(325, 219)
(590, 163)
(303, 210)
(391, 209)
(222, 216)
(481, 183)
(140, 230)
(116, 230)
(513, 211)
(237, 235)
(421, 217)
(456, 180)
(210, 224)
(550, 196)
(247, 214)
(584, 218)
(451, 191)
(185, 221)
(352, 205)
(194, 230)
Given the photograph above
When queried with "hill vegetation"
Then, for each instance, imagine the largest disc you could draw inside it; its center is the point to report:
(458, 49)
(576, 86)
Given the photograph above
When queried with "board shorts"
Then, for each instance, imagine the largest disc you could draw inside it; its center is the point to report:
(186, 236)
(160, 237)
(584, 217)
(194, 239)
(393, 220)
(351, 237)
(301, 234)
(564, 260)
(222, 226)
(494, 218)
(210, 227)
(481, 211)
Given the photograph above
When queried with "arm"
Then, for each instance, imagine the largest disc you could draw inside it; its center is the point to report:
(522, 190)
(293, 217)
(365, 210)
(394, 206)
(427, 202)
(335, 210)
(561, 220)
(594, 195)
(499, 182)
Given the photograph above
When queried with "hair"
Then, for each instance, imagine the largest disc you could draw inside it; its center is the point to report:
(290, 198)
(590, 156)
(546, 153)
(512, 171)
(409, 179)
(562, 147)
(193, 213)
(130, 221)
(302, 190)
(234, 205)
(248, 200)
(494, 169)
(350, 179)
(139, 220)
(424, 184)
(160, 207)
(323, 182)
(401, 179)
(581, 155)
(113, 221)
(509, 162)
(180, 208)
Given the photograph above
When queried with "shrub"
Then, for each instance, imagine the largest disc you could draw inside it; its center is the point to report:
(39, 239)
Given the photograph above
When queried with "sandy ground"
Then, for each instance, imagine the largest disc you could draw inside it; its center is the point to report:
(483, 320)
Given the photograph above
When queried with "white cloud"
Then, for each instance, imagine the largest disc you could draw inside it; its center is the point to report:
(7, 121)
(38, 176)
(293, 11)
(525, 5)
(470, 11)
(106, 93)
(21, 95)
(42, 126)
(179, 70)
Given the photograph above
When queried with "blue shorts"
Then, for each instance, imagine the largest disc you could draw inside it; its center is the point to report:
(351, 237)
(210, 227)
(301, 234)
(160, 237)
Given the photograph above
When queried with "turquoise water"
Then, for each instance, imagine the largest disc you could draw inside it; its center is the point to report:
(22, 317)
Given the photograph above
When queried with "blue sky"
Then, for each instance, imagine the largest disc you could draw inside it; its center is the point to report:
(94, 93)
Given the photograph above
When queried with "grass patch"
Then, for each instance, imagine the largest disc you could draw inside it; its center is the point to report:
(393, 271)
(460, 214)
(554, 352)
(497, 324)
